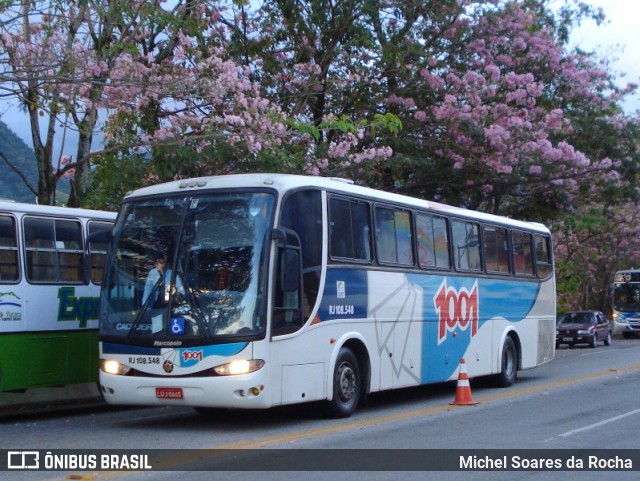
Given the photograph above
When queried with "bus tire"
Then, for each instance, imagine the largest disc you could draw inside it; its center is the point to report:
(346, 385)
(508, 365)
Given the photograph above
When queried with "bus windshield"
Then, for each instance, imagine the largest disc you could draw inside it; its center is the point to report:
(188, 270)
(626, 296)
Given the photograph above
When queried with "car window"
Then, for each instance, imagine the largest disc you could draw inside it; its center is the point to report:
(578, 318)
(587, 318)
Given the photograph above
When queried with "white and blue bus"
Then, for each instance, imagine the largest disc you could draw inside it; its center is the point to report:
(50, 278)
(626, 303)
(284, 289)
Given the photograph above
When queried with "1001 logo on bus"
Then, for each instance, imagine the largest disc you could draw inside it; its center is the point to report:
(456, 309)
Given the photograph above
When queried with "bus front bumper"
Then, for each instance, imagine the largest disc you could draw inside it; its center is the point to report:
(247, 391)
(626, 326)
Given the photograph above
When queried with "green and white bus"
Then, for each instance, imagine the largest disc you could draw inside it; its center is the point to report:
(50, 277)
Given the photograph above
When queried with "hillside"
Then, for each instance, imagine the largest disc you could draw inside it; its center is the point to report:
(22, 156)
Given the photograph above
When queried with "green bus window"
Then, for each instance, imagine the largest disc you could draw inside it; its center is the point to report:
(53, 250)
(8, 250)
(98, 249)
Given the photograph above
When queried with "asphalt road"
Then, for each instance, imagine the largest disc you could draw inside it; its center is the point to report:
(586, 400)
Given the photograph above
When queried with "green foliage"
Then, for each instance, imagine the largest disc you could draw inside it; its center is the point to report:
(113, 177)
(22, 157)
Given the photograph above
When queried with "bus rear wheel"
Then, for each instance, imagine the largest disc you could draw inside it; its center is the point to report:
(509, 365)
(346, 385)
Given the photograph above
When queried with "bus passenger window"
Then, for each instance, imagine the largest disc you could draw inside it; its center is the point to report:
(393, 236)
(98, 249)
(350, 232)
(8, 250)
(54, 250)
(433, 241)
(543, 255)
(496, 251)
(466, 245)
(361, 231)
(522, 255)
(69, 246)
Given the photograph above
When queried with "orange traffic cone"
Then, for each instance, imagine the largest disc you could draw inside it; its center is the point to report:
(463, 389)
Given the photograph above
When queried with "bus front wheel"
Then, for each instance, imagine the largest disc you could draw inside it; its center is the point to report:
(346, 385)
(509, 365)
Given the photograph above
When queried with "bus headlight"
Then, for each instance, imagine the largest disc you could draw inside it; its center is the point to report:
(244, 366)
(114, 367)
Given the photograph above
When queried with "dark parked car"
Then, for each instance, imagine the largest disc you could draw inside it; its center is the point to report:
(583, 327)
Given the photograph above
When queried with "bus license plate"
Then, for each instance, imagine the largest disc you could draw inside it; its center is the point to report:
(169, 393)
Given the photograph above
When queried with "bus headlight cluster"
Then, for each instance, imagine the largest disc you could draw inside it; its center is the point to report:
(244, 366)
(114, 367)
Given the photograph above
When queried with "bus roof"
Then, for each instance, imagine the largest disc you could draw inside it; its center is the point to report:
(24, 208)
(285, 182)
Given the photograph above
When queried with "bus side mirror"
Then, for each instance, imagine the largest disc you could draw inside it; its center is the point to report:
(290, 270)
(280, 236)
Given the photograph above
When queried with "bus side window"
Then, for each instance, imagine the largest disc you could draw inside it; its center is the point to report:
(54, 250)
(522, 255)
(98, 248)
(466, 245)
(349, 230)
(70, 252)
(8, 250)
(496, 250)
(543, 255)
(394, 241)
(433, 241)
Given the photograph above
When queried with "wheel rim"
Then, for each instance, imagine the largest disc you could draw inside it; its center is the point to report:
(346, 382)
(508, 363)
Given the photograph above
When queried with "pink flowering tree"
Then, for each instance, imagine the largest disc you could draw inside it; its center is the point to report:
(158, 75)
(492, 105)
(314, 60)
(589, 247)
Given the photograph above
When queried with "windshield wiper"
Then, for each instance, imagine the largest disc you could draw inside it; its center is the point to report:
(144, 308)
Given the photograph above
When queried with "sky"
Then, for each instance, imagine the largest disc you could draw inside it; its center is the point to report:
(618, 38)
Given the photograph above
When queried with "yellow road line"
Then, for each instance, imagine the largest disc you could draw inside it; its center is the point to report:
(342, 426)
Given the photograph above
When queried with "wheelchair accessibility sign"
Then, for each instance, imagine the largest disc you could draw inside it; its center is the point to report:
(176, 326)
